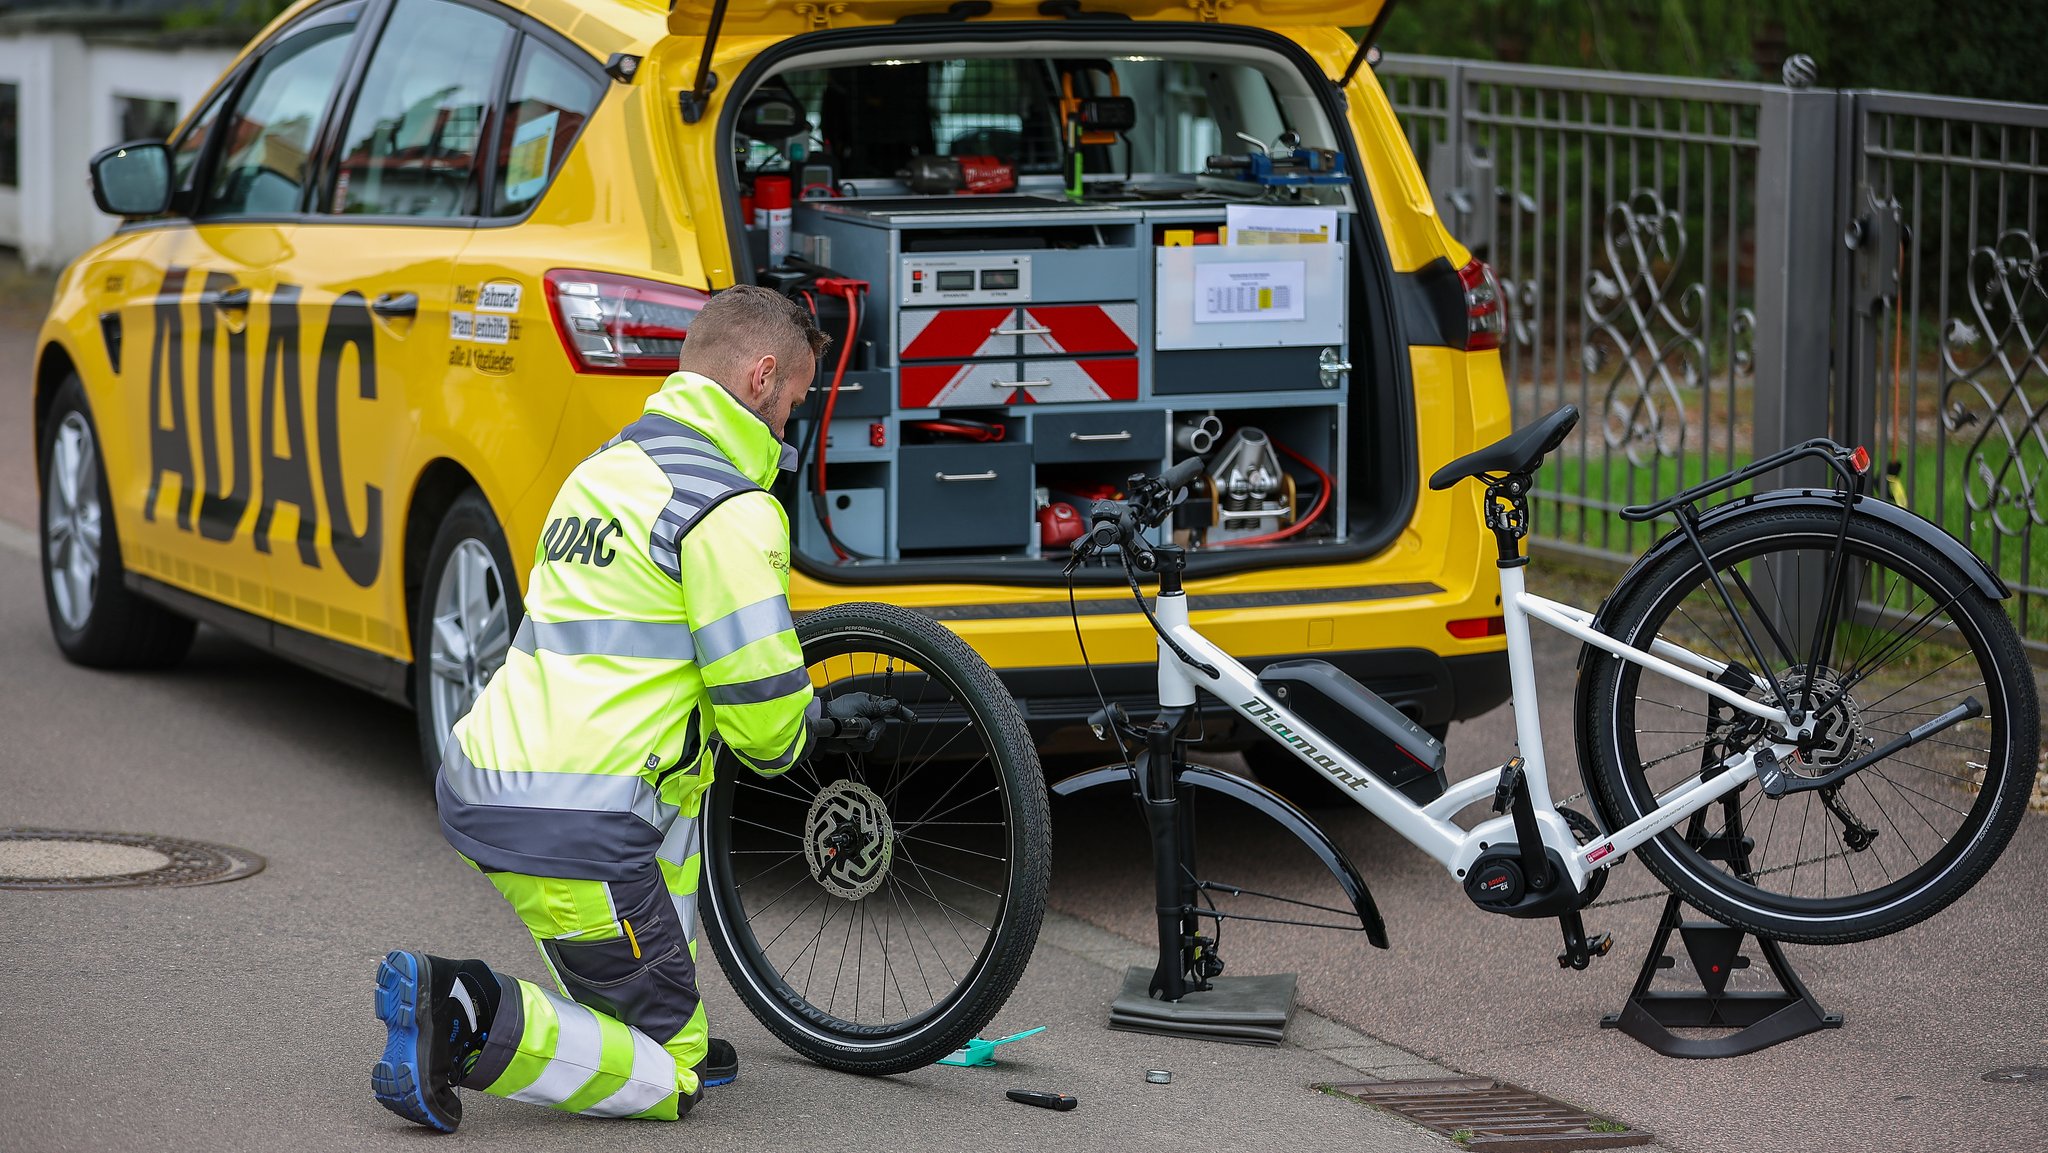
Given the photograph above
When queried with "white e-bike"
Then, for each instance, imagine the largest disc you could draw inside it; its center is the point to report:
(1804, 709)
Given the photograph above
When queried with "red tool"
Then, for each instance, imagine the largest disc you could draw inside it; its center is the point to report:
(1059, 525)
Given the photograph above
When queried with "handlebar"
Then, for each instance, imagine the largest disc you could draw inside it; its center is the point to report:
(1180, 476)
(1122, 523)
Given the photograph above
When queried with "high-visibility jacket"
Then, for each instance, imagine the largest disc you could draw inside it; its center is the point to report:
(657, 619)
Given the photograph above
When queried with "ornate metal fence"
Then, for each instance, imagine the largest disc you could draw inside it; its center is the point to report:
(1711, 271)
(1946, 316)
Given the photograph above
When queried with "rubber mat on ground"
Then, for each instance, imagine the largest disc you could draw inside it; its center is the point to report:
(1239, 1010)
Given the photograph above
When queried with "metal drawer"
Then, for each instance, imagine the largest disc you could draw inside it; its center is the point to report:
(1084, 436)
(963, 496)
(1078, 329)
(860, 394)
(955, 333)
(979, 384)
(1067, 381)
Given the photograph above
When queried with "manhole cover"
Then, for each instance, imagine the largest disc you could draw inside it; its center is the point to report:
(69, 859)
(1485, 1114)
(2019, 1073)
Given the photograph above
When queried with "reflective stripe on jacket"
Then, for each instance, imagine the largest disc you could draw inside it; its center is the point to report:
(657, 619)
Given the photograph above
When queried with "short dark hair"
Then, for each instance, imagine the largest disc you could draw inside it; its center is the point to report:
(744, 322)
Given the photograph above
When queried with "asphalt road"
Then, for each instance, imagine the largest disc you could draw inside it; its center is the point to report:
(237, 1017)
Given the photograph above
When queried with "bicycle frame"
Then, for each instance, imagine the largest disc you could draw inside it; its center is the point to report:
(1429, 827)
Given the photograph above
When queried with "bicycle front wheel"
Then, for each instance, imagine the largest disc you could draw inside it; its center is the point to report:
(1903, 636)
(874, 911)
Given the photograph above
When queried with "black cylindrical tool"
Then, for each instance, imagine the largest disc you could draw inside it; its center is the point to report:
(1059, 1101)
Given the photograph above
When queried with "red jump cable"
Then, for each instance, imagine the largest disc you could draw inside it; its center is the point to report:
(851, 290)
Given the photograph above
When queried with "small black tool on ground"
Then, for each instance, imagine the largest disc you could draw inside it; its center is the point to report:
(1759, 1019)
(1060, 1102)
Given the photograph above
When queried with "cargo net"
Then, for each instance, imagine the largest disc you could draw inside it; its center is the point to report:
(875, 117)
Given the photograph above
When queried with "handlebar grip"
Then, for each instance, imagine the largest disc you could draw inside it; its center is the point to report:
(1181, 475)
(1105, 533)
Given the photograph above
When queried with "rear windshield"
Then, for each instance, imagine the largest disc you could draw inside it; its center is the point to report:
(866, 123)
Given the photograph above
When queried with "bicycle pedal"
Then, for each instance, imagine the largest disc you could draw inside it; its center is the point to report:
(1580, 953)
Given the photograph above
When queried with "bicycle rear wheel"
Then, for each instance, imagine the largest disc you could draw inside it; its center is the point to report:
(875, 911)
(1909, 637)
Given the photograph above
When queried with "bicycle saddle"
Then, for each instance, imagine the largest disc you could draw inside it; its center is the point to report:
(1517, 453)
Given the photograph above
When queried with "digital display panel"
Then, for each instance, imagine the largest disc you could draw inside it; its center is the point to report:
(956, 281)
(998, 279)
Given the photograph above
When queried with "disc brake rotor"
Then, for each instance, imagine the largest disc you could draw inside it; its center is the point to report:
(1837, 733)
(848, 839)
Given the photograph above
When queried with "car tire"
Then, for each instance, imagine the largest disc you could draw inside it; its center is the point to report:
(461, 636)
(96, 620)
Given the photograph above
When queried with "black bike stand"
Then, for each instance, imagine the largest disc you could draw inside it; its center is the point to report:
(1759, 1019)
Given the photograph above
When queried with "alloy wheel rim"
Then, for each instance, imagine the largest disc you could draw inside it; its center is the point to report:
(72, 521)
(469, 634)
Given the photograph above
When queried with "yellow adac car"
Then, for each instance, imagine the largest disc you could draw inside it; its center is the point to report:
(411, 260)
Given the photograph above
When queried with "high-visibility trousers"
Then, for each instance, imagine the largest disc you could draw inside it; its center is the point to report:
(628, 1030)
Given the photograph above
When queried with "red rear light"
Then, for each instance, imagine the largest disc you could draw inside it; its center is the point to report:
(1472, 628)
(621, 324)
(1860, 460)
(1486, 319)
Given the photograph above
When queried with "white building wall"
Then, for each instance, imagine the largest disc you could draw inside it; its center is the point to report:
(69, 110)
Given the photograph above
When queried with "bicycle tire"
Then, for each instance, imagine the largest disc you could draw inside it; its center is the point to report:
(801, 1018)
(1611, 729)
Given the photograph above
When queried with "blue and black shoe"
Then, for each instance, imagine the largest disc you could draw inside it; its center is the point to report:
(720, 1066)
(416, 1078)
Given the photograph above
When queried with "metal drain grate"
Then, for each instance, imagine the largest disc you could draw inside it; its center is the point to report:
(69, 859)
(1484, 1114)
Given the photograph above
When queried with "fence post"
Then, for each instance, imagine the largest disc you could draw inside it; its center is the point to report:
(1796, 244)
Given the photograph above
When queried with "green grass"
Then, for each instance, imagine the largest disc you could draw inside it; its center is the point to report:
(1931, 482)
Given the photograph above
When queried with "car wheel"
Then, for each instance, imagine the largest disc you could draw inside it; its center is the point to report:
(469, 606)
(96, 620)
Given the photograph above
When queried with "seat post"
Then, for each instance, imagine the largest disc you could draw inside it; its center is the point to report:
(1507, 514)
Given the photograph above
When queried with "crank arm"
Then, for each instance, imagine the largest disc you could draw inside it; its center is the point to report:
(1778, 783)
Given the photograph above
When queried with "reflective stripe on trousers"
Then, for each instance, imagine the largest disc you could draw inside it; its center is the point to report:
(568, 1057)
(635, 1024)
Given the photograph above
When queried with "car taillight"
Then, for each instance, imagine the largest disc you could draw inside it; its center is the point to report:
(621, 324)
(1472, 628)
(1486, 319)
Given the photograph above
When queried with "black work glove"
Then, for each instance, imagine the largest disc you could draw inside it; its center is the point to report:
(853, 722)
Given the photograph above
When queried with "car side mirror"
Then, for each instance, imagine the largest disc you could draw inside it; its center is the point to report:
(132, 179)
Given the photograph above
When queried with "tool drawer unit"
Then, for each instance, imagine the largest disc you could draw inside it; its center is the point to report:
(1092, 345)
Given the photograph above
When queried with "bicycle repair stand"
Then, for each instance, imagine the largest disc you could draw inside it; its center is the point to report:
(1185, 994)
(1759, 1019)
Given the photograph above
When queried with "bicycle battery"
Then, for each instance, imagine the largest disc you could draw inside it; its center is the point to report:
(1378, 735)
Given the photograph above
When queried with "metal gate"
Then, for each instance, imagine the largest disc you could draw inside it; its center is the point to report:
(1712, 271)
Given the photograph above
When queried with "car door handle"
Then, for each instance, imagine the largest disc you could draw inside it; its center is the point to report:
(396, 304)
(234, 299)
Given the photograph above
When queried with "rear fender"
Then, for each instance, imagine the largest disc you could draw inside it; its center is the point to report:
(1272, 805)
(1828, 500)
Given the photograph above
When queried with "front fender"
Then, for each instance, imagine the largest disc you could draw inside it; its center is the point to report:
(1272, 805)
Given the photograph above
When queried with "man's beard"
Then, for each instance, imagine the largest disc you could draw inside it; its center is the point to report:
(768, 405)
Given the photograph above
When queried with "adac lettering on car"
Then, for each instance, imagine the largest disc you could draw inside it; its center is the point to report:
(580, 540)
(266, 404)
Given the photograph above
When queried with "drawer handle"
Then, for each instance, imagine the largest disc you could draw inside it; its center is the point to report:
(1020, 384)
(1033, 331)
(950, 477)
(1098, 437)
(856, 386)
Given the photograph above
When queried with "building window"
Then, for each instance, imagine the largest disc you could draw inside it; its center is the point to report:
(146, 119)
(10, 136)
